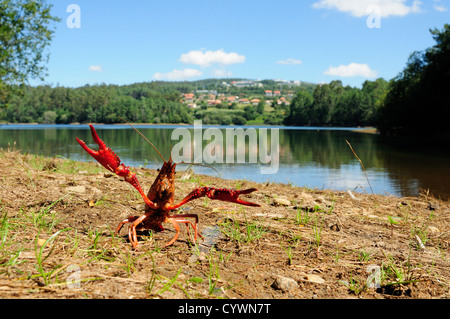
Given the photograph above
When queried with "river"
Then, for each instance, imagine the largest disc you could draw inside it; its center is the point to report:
(310, 157)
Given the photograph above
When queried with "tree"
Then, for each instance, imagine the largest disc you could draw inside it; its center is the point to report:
(260, 107)
(49, 117)
(24, 35)
(250, 113)
(300, 109)
(349, 109)
(375, 92)
(417, 103)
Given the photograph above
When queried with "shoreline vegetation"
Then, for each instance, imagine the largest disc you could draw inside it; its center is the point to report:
(58, 216)
(221, 102)
(368, 129)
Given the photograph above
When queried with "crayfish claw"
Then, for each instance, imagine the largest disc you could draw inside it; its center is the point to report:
(112, 162)
(230, 195)
(104, 155)
(223, 194)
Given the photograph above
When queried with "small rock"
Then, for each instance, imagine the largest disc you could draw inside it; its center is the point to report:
(194, 257)
(95, 190)
(313, 278)
(281, 202)
(284, 283)
(76, 189)
(320, 200)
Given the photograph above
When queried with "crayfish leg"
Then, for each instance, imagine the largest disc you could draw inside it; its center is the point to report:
(125, 221)
(175, 219)
(138, 223)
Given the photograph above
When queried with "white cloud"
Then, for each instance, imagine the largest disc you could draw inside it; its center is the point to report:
(95, 68)
(207, 58)
(289, 61)
(440, 8)
(222, 73)
(351, 70)
(176, 75)
(361, 8)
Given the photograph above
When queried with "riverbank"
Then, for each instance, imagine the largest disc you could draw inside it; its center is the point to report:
(58, 219)
(368, 129)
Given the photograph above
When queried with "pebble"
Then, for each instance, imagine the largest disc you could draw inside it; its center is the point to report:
(194, 258)
(313, 278)
(76, 189)
(281, 202)
(284, 283)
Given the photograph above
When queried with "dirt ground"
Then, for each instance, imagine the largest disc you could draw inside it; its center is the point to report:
(58, 217)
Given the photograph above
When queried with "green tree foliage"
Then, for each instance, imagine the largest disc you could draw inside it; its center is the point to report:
(142, 103)
(335, 105)
(300, 110)
(221, 116)
(418, 103)
(349, 108)
(24, 35)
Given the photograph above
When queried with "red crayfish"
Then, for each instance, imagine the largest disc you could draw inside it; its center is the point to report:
(159, 201)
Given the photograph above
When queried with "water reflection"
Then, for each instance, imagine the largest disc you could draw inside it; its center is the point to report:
(308, 157)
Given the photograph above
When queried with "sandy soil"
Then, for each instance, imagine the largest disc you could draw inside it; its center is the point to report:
(58, 217)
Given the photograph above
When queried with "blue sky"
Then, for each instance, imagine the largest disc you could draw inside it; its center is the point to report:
(123, 42)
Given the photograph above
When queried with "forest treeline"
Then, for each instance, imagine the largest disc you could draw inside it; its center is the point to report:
(160, 102)
(335, 105)
(96, 104)
(418, 101)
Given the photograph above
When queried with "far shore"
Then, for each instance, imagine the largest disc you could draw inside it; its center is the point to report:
(369, 129)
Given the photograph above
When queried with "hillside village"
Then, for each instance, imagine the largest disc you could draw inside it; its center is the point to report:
(234, 94)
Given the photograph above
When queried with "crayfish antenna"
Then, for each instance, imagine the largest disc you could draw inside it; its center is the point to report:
(160, 152)
(198, 164)
(145, 139)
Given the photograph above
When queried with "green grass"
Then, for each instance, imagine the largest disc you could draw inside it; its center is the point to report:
(302, 217)
(41, 257)
(45, 218)
(355, 286)
(395, 273)
(8, 258)
(289, 253)
(317, 229)
(249, 232)
(364, 256)
(213, 275)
